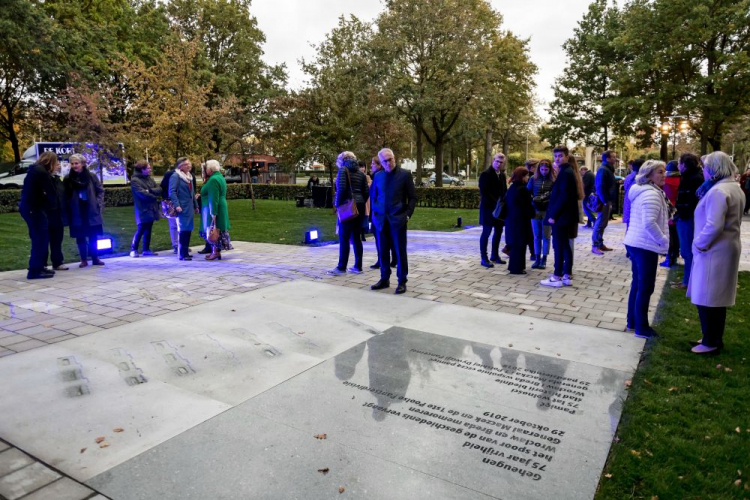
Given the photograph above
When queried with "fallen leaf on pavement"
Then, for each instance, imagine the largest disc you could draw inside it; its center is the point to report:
(321, 436)
(104, 445)
(119, 429)
(323, 471)
(510, 345)
(83, 449)
(99, 439)
(341, 489)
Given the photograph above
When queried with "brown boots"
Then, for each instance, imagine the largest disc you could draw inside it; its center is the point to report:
(215, 255)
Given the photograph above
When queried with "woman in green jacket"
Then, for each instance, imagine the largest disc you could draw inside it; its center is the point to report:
(215, 209)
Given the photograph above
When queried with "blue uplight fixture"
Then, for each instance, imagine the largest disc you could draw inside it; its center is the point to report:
(104, 244)
(311, 236)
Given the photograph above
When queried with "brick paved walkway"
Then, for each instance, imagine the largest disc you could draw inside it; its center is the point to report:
(443, 267)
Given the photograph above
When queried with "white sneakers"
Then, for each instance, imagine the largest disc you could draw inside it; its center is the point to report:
(556, 282)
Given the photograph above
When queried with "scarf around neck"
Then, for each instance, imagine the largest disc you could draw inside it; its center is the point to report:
(185, 177)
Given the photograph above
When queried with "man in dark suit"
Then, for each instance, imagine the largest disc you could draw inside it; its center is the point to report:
(492, 187)
(392, 199)
(562, 215)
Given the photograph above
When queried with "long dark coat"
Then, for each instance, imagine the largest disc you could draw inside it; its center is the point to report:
(520, 211)
(492, 186)
(84, 221)
(146, 196)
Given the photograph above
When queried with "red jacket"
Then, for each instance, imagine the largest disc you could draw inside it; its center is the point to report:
(671, 188)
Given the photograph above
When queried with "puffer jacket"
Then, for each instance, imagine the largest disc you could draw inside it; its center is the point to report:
(649, 215)
(359, 190)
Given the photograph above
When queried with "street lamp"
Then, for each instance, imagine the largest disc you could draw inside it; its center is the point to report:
(673, 125)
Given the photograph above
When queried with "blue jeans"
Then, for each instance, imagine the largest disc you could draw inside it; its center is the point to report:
(644, 264)
(591, 216)
(686, 231)
(597, 238)
(542, 235)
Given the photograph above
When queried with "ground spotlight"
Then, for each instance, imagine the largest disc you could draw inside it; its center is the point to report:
(104, 244)
(311, 236)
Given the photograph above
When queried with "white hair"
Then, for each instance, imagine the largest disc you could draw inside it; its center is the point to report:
(384, 151)
(648, 168)
(345, 159)
(212, 166)
(77, 157)
(719, 165)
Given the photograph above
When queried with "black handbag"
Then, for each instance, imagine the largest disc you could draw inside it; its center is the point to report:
(498, 213)
(593, 203)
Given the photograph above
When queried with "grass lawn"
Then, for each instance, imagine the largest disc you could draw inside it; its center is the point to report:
(271, 222)
(685, 431)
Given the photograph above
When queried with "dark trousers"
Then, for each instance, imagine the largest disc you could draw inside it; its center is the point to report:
(393, 239)
(529, 240)
(484, 238)
(377, 245)
(87, 249)
(351, 231)
(674, 244)
(562, 245)
(184, 246)
(56, 235)
(517, 259)
(644, 264)
(713, 320)
(597, 238)
(144, 231)
(39, 235)
(686, 230)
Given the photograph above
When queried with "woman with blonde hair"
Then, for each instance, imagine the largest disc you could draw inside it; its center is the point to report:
(540, 187)
(215, 210)
(85, 201)
(646, 239)
(716, 249)
(182, 194)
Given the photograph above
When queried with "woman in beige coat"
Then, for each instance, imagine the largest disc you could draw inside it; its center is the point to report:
(716, 249)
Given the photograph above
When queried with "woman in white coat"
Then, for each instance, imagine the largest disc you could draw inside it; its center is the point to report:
(647, 237)
(716, 249)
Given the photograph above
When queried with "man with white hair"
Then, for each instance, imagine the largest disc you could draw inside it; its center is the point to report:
(392, 198)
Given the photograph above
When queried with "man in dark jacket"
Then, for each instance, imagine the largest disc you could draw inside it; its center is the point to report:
(37, 197)
(392, 199)
(691, 178)
(589, 186)
(606, 190)
(562, 214)
(173, 232)
(492, 187)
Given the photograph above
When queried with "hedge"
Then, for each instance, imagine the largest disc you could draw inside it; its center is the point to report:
(452, 197)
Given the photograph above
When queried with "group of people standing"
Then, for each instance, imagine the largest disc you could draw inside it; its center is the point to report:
(539, 207)
(704, 207)
(48, 204)
(392, 199)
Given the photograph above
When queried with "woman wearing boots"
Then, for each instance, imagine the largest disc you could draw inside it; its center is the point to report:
(146, 195)
(540, 187)
(182, 194)
(215, 209)
(84, 197)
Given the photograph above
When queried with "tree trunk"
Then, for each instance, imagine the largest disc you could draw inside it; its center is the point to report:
(487, 148)
(439, 161)
(664, 148)
(704, 143)
(468, 162)
(420, 154)
(715, 142)
(506, 144)
(452, 164)
(12, 137)
(606, 138)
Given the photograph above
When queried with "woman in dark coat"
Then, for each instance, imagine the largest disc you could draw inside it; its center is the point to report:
(34, 206)
(182, 194)
(58, 219)
(351, 183)
(518, 217)
(84, 197)
(146, 196)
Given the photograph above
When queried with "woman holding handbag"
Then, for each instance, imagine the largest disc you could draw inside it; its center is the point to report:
(350, 198)
(215, 211)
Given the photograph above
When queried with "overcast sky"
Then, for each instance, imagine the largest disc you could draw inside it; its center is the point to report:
(292, 25)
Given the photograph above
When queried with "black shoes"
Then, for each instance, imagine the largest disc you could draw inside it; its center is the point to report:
(487, 263)
(375, 266)
(44, 270)
(38, 276)
(497, 260)
(401, 288)
(186, 258)
(382, 284)
(206, 249)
